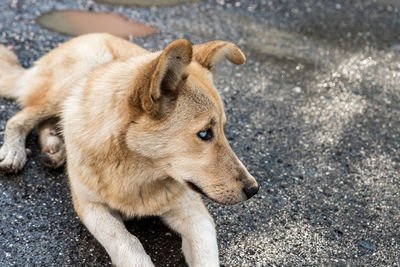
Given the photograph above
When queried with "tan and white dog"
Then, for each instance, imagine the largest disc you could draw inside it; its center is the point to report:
(142, 132)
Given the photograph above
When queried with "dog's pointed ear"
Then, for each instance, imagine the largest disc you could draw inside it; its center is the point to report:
(209, 54)
(168, 72)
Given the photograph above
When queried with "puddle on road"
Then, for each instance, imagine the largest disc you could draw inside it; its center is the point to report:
(146, 3)
(74, 22)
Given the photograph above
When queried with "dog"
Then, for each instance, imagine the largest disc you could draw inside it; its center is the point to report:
(142, 133)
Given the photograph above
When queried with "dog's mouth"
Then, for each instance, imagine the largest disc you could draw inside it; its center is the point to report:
(197, 189)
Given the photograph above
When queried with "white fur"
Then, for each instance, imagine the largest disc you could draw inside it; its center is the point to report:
(190, 218)
(107, 226)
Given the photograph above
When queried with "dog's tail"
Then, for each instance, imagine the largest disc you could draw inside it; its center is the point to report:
(10, 72)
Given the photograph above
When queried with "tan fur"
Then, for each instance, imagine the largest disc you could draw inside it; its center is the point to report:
(210, 53)
(130, 120)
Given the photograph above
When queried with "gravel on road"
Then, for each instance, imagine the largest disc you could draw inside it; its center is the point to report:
(314, 114)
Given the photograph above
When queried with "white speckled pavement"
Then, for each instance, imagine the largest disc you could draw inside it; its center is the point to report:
(314, 114)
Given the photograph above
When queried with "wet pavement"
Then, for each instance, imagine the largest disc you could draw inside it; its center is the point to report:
(314, 114)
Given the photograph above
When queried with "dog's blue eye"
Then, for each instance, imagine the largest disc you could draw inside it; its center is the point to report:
(206, 134)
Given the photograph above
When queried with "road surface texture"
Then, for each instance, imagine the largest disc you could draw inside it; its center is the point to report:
(314, 114)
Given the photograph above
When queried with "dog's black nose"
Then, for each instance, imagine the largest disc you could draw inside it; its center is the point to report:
(251, 191)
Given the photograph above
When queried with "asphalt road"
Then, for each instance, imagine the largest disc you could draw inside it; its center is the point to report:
(314, 114)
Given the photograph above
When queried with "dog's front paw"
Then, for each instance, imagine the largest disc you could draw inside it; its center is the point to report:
(12, 158)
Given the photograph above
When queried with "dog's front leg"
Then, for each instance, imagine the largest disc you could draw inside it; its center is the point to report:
(190, 218)
(108, 228)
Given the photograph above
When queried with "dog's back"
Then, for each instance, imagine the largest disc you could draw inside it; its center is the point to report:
(53, 75)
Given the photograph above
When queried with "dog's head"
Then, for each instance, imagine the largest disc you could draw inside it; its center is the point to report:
(178, 122)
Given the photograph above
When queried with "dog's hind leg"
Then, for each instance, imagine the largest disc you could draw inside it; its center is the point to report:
(10, 72)
(13, 153)
(190, 218)
(52, 143)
